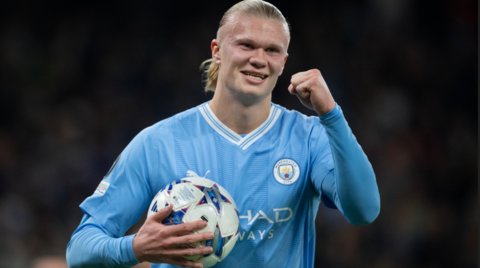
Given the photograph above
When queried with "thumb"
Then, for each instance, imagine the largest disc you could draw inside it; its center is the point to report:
(303, 91)
(291, 89)
(162, 213)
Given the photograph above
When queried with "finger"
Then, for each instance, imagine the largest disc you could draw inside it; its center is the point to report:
(298, 78)
(291, 89)
(188, 252)
(303, 90)
(193, 232)
(191, 238)
(162, 214)
(188, 227)
(185, 263)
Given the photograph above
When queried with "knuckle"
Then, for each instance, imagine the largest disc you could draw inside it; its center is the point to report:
(190, 252)
(162, 232)
(167, 243)
(186, 228)
(189, 240)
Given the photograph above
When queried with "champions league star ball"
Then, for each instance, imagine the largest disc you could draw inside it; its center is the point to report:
(196, 198)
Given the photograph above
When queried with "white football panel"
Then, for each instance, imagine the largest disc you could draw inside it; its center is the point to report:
(196, 213)
(183, 195)
(228, 221)
(200, 181)
(226, 194)
(210, 261)
(161, 200)
(227, 248)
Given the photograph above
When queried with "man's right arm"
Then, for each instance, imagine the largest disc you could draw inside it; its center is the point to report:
(94, 246)
(119, 201)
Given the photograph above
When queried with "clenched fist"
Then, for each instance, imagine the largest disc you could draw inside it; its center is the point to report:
(312, 91)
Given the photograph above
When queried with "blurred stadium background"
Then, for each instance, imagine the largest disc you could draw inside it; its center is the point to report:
(79, 79)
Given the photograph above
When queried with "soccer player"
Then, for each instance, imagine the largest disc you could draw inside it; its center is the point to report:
(277, 164)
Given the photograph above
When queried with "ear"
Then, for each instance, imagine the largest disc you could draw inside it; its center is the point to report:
(215, 47)
(284, 61)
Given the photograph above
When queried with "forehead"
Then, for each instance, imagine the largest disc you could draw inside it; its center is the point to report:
(258, 29)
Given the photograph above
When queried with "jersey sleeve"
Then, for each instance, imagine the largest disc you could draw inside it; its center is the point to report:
(124, 193)
(322, 161)
(94, 246)
(351, 185)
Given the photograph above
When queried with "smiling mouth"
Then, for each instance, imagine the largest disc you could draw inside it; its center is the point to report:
(255, 76)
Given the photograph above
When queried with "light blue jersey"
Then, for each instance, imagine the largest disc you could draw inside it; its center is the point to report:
(276, 174)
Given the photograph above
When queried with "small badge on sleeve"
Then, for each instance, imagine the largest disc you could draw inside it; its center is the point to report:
(102, 187)
(286, 171)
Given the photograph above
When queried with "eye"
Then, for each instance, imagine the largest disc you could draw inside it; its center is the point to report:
(246, 45)
(271, 50)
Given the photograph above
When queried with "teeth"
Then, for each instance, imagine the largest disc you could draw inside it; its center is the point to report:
(254, 76)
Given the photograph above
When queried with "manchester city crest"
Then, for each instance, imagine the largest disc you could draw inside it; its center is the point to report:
(286, 171)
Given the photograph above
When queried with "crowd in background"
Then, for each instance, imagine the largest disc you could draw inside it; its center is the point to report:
(79, 80)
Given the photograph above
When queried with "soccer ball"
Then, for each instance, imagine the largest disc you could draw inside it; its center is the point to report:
(196, 198)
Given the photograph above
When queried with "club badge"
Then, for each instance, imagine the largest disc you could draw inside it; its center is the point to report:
(286, 171)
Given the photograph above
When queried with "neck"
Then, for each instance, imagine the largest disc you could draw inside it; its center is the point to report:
(240, 117)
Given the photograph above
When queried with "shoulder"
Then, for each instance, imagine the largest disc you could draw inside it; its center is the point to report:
(293, 118)
(166, 129)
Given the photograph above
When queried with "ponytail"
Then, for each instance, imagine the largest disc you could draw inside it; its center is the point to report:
(210, 74)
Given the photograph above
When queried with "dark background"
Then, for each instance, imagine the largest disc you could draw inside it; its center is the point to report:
(78, 80)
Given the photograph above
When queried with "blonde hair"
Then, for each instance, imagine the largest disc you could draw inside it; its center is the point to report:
(255, 8)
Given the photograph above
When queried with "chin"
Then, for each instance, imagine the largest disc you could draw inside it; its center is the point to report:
(255, 90)
(249, 95)
(252, 95)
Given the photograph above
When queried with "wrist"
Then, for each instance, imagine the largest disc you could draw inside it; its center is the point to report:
(137, 253)
(332, 116)
(325, 106)
(325, 109)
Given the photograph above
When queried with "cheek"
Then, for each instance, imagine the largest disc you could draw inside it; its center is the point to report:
(238, 54)
(277, 66)
(237, 57)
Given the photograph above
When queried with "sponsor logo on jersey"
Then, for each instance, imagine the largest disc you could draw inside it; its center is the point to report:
(254, 235)
(286, 171)
(102, 187)
(281, 215)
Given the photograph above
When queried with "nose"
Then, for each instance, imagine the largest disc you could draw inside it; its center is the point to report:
(258, 60)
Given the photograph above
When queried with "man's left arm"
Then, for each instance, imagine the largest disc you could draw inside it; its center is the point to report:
(351, 185)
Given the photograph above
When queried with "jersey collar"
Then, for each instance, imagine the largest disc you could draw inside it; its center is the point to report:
(247, 140)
